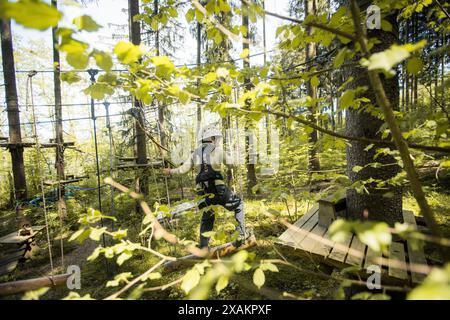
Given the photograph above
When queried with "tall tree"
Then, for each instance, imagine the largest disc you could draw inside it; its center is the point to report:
(15, 136)
(199, 61)
(59, 138)
(141, 139)
(311, 90)
(378, 203)
(161, 107)
(249, 143)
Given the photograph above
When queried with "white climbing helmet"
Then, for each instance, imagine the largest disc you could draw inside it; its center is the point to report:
(209, 132)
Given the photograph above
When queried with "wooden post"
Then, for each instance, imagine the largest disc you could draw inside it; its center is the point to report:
(9, 288)
(15, 136)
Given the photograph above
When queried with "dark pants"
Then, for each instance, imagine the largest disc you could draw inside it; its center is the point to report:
(226, 198)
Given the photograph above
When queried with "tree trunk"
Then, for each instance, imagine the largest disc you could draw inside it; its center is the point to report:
(161, 108)
(141, 139)
(379, 204)
(15, 136)
(199, 60)
(311, 52)
(59, 139)
(249, 143)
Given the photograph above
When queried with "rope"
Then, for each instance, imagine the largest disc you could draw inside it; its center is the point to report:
(38, 152)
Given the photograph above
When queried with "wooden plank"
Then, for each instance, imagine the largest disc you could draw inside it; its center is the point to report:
(13, 256)
(54, 183)
(7, 268)
(397, 255)
(323, 248)
(415, 255)
(356, 252)
(340, 250)
(13, 238)
(309, 242)
(297, 235)
(373, 258)
(286, 236)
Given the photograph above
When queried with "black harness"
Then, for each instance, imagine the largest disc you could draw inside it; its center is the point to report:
(207, 173)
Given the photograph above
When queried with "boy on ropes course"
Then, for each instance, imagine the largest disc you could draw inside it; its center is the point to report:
(208, 161)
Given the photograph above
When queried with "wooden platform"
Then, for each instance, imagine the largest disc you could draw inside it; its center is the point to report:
(14, 238)
(404, 264)
(63, 182)
(32, 144)
(10, 260)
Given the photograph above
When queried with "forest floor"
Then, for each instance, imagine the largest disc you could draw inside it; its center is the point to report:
(287, 283)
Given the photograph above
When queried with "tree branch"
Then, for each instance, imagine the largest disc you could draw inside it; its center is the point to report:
(346, 137)
(311, 23)
(442, 8)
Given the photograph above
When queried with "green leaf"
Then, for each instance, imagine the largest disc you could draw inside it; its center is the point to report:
(94, 255)
(75, 296)
(80, 235)
(346, 99)
(153, 276)
(244, 54)
(340, 230)
(190, 280)
(259, 278)
(127, 53)
(238, 260)
(96, 233)
(386, 25)
(35, 294)
(70, 77)
(436, 285)
(445, 164)
(124, 256)
(224, 6)
(315, 81)
(389, 58)
(122, 277)
(78, 60)
(31, 14)
(190, 15)
(370, 296)
(267, 266)
(164, 66)
(209, 77)
(86, 23)
(120, 234)
(99, 91)
(375, 234)
(414, 65)
(340, 58)
(103, 60)
(222, 283)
